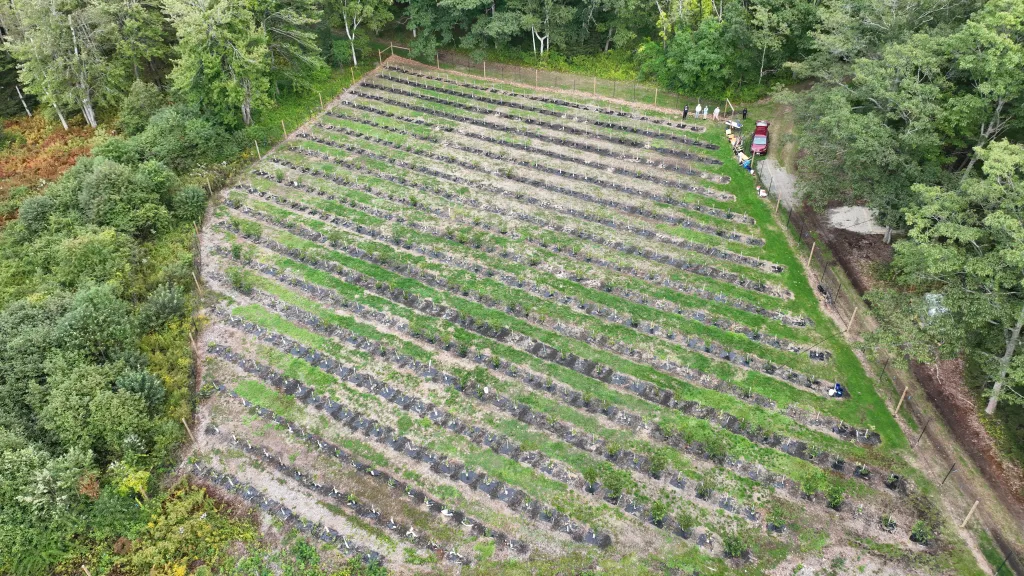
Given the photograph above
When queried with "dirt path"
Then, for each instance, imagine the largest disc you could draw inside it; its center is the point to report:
(779, 181)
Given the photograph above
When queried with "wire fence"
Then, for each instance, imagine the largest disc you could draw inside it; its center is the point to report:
(841, 297)
(633, 92)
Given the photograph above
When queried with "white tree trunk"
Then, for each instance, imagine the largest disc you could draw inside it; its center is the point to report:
(1004, 363)
(22, 98)
(247, 103)
(60, 115)
(764, 52)
(88, 112)
(988, 131)
(533, 38)
(350, 32)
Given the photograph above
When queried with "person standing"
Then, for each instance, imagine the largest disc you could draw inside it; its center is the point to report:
(705, 111)
(744, 113)
(686, 110)
(717, 110)
(696, 113)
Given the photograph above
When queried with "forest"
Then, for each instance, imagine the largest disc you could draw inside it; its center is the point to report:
(913, 108)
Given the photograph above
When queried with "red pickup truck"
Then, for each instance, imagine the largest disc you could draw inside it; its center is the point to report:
(759, 145)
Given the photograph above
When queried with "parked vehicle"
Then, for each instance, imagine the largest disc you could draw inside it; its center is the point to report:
(759, 145)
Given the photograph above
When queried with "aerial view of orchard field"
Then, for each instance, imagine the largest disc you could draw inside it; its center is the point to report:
(456, 325)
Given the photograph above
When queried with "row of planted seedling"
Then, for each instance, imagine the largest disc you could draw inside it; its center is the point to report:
(701, 489)
(558, 139)
(605, 374)
(370, 185)
(549, 99)
(389, 199)
(590, 173)
(261, 500)
(422, 115)
(712, 350)
(705, 249)
(416, 498)
(356, 253)
(440, 86)
(529, 119)
(568, 251)
(590, 307)
(685, 265)
(396, 151)
(481, 435)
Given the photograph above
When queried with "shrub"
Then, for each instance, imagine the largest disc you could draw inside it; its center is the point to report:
(704, 490)
(34, 213)
(716, 449)
(836, 496)
(167, 301)
(189, 204)
(144, 384)
(250, 229)
(142, 101)
(735, 544)
(922, 533)
(97, 324)
(658, 511)
(180, 138)
(659, 461)
(241, 280)
(617, 481)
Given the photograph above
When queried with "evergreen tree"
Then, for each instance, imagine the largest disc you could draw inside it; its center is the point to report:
(222, 59)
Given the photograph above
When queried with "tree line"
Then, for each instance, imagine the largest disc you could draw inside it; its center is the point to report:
(228, 57)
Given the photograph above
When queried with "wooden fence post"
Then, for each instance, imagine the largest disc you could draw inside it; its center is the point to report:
(811, 255)
(437, 58)
(189, 430)
(284, 131)
(655, 95)
(536, 78)
(380, 58)
(902, 398)
(485, 68)
(852, 318)
(969, 514)
(321, 96)
(258, 155)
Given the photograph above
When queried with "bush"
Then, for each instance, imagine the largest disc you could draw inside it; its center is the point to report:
(34, 213)
(181, 139)
(922, 533)
(97, 325)
(189, 204)
(241, 280)
(836, 496)
(143, 100)
(617, 481)
(116, 195)
(704, 490)
(167, 301)
(658, 511)
(659, 461)
(735, 544)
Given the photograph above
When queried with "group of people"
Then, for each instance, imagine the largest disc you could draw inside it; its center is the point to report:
(698, 111)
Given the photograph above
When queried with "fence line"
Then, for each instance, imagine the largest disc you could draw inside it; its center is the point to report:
(631, 91)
